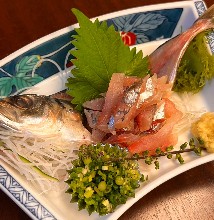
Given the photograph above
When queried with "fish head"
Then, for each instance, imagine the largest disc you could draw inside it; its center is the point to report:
(42, 116)
(14, 110)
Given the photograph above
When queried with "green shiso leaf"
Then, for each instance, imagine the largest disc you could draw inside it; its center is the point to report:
(99, 53)
(196, 67)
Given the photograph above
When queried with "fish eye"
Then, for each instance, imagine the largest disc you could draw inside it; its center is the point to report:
(23, 102)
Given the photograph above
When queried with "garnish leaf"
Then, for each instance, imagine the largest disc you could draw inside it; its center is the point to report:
(99, 53)
(196, 67)
(138, 67)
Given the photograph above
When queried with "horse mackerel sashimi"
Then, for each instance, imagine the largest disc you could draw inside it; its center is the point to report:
(128, 102)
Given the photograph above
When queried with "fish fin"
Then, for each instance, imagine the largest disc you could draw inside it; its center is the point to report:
(208, 14)
(62, 95)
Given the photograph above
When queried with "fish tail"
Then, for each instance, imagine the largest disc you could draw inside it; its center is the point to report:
(208, 14)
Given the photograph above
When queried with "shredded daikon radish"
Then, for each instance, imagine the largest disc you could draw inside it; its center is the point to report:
(50, 154)
(190, 112)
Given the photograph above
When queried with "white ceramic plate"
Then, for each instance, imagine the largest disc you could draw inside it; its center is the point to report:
(57, 205)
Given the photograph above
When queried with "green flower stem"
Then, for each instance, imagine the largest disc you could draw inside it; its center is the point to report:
(152, 156)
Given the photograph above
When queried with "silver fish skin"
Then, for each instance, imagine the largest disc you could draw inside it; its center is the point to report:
(42, 116)
(165, 59)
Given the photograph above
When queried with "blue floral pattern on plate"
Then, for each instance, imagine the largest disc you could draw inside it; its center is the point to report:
(35, 65)
(23, 196)
(148, 26)
(48, 58)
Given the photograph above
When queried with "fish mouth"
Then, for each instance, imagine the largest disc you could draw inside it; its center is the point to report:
(9, 118)
(8, 127)
(7, 124)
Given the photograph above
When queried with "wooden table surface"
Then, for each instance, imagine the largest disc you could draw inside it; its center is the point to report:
(187, 196)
